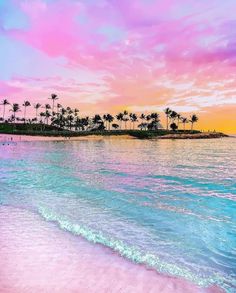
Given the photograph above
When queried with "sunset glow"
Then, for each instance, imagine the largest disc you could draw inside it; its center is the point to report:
(108, 55)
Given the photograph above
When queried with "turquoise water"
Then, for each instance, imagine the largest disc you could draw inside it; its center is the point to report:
(170, 205)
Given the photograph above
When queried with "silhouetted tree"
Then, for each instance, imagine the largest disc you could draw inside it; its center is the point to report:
(193, 119)
(184, 121)
(167, 112)
(25, 105)
(133, 118)
(53, 98)
(36, 107)
(4, 103)
(15, 109)
(115, 126)
(173, 126)
(120, 117)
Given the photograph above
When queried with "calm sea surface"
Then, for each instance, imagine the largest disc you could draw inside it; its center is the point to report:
(170, 205)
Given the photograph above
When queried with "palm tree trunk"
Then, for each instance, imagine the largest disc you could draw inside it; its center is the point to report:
(167, 123)
(14, 119)
(3, 112)
(24, 114)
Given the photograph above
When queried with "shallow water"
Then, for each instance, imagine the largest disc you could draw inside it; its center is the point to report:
(169, 205)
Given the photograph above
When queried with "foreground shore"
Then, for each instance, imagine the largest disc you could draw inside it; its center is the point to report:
(36, 256)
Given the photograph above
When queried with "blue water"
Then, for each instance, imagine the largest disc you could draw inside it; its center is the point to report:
(170, 205)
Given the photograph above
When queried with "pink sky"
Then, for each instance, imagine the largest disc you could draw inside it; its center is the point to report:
(108, 55)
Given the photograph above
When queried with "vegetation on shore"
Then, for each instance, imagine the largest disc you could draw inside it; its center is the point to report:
(55, 120)
(66, 118)
(35, 130)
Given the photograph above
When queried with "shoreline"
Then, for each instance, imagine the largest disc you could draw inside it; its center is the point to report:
(202, 135)
(47, 257)
(16, 137)
(6, 138)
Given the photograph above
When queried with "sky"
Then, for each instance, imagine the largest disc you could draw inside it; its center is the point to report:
(109, 55)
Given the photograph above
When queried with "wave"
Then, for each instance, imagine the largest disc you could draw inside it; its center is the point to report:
(134, 253)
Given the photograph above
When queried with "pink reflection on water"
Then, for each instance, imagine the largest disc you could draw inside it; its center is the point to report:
(36, 256)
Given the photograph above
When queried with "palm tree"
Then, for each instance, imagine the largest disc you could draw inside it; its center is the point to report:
(143, 126)
(97, 119)
(53, 98)
(178, 119)
(70, 120)
(142, 117)
(47, 107)
(109, 119)
(105, 119)
(148, 118)
(42, 114)
(77, 123)
(76, 111)
(59, 106)
(184, 121)
(167, 112)
(133, 118)
(69, 110)
(173, 116)
(54, 114)
(47, 116)
(193, 119)
(15, 108)
(155, 120)
(42, 121)
(125, 117)
(36, 107)
(4, 103)
(98, 123)
(26, 104)
(59, 120)
(120, 117)
(63, 111)
(85, 123)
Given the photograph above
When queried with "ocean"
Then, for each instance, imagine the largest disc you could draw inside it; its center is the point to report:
(167, 207)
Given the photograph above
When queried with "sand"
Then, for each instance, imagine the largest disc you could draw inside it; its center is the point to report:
(36, 256)
(5, 138)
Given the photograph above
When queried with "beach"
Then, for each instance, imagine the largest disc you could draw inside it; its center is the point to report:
(5, 138)
(36, 256)
(18, 138)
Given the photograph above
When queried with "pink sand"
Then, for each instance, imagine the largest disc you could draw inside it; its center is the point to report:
(36, 256)
(24, 138)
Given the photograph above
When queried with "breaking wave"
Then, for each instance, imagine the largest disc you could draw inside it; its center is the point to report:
(133, 253)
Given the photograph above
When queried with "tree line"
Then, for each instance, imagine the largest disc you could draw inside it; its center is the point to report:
(55, 114)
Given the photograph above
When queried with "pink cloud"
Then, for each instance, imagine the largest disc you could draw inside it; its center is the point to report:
(176, 41)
